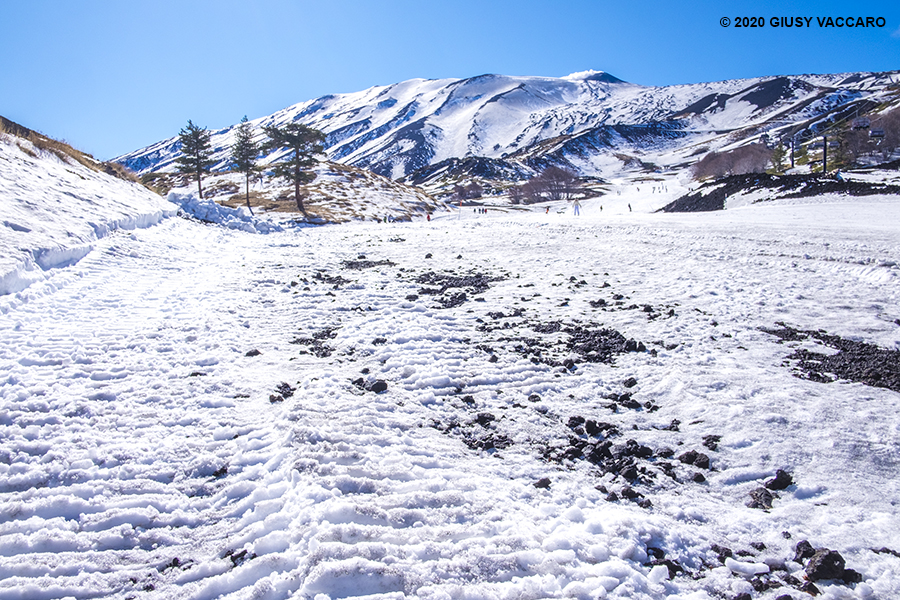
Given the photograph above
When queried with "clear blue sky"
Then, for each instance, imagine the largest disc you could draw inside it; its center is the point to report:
(111, 76)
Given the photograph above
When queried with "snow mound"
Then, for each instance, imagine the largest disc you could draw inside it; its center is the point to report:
(232, 218)
(54, 210)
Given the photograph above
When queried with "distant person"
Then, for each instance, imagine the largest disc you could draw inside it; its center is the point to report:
(428, 217)
(547, 212)
(576, 207)
(629, 207)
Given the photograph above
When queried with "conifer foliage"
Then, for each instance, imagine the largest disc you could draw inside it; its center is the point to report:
(303, 144)
(196, 153)
(244, 153)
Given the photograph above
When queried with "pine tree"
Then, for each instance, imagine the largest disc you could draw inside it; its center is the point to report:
(196, 153)
(779, 153)
(303, 143)
(244, 153)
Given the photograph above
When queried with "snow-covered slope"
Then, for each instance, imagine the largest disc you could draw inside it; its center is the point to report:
(397, 129)
(571, 407)
(54, 209)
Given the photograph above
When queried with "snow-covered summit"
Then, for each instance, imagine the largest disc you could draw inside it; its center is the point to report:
(395, 130)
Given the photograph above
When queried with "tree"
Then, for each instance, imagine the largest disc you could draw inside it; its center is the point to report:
(196, 153)
(302, 143)
(244, 153)
(779, 153)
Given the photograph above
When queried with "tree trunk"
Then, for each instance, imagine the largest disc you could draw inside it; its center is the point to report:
(297, 184)
(248, 195)
(199, 184)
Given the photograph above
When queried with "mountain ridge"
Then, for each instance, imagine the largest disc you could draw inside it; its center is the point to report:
(395, 130)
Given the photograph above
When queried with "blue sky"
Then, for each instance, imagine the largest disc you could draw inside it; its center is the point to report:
(111, 76)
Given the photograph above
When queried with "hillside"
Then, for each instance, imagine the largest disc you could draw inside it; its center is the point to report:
(592, 123)
(57, 202)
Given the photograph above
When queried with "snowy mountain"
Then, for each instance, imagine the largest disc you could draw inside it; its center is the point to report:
(591, 121)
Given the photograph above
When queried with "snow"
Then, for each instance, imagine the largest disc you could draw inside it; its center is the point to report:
(54, 210)
(141, 454)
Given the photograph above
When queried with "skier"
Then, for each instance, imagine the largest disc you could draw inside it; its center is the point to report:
(629, 207)
(428, 217)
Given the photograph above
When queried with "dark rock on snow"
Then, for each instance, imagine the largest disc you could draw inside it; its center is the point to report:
(825, 564)
(781, 480)
(802, 551)
(761, 498)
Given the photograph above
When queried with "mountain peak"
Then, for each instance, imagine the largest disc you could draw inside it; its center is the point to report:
(592, 75)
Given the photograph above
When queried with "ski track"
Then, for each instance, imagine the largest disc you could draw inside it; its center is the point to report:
(136, 431)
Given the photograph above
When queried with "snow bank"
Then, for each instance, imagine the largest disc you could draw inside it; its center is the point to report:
(232, 218)
(54, 211)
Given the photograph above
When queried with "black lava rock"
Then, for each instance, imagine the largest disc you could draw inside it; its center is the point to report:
(825, 564)
(630, 382)
(253, 352)
(698, 459)
(781, 480)
(698, 477)
(711, 441)
(378, 386)
(761, 498)
(542, 483)
(850, 576)
(802, 551)
(743, 596)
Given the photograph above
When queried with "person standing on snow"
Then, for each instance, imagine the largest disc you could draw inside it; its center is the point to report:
(576, 207)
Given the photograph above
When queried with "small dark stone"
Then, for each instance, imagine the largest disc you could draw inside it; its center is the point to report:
(630, 493)
(378, 386)
(761, 498)
(484, 418)
(542, 483)
(785, 597)
(575, 422)
(569, 364)
(802, 551)
(781, 480)
(285, 390)
(493, 358)
(656, 553)
(702, 461)
(534, 398)
(379, 341)
(786, 535)
(688, 457)
(665, 453)
(722, 552)
(612, 497)
(220, 472)
(428, 255)
(273, 398)
(630, 382)
(759, 546)
(698, 477)
(711, 441)
(742, 596)
(412, 297)
(253, 352)
(825, 564)
(459, 257)
(809, 587)
(645, 503)
(850, 576)
(630, 473)
(468, 399)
